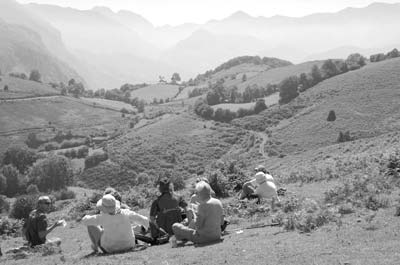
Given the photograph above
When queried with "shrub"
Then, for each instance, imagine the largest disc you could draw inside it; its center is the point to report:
(344, 137)
(288, 89)
(393, 54)
(3, 184)
(35, 76)
(4, 204)
(64, 194)
(11, 175)
(10, 227)
(32, 189)
(355, 61)
(219, 183)
(51, 173)
(51, 146)
(377, 57)
(20, 157)
(260, 106)
(82, 152)
(95, 159)
(23, 206)
(82, 208)
(124, 111)
(73, 143)
(178, 181)
(331, 116)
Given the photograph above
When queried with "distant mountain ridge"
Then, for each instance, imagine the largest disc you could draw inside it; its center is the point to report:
(111, 48)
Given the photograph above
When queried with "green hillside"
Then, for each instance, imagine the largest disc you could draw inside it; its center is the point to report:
(19, 88)
(158, 91)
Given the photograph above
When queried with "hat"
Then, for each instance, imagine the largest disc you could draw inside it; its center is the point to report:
(108, 204)
(261, 168)
(260, 178)
(44, 199)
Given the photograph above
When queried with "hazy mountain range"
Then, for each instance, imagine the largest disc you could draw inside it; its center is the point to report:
(110, 48)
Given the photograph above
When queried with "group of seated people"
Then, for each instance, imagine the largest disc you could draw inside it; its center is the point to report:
(116, 228)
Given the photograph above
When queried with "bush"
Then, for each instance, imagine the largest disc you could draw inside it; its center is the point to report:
(3, 184)
(124, 111)
(82, 152)
(219, 183)
(4, 204)
(331, 116)
(82, 208)
(23, 206)
(32, 189)
(73, 143)
(178, 181)
(12, 177)
(51, 146)
(344, 137)
(64, 194)
(355, 61)
(288, 89)
(377, 57)
(10, 227)
(52, 173)
(95, 159)
(20, 157)
(35, 76)
(260, 106)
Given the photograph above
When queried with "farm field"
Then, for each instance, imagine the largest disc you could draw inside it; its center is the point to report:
(158, 91)
(113, 104)
(270, 100)
(19, 88)
(276, 75)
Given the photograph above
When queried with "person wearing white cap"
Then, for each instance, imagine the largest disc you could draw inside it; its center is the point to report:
(36, 226)
(111, 230)
(262, 186)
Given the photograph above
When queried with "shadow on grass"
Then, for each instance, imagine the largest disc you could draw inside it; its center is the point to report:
(209, 243)
(101, 254)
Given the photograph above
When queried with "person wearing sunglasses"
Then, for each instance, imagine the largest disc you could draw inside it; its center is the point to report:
(36, 226)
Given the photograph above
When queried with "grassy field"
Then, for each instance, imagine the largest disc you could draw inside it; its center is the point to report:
(270, 100)
(158, 91)
(42, 115)
(112, 104)
(19, 88)
(276, 75)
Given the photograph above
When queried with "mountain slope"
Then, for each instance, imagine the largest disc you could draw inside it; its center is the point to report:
(22, 50)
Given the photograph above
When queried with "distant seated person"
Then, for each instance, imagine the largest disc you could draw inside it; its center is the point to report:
(36, 227)
(117, 196)
(111, 231)
(208, 219)
(166, 209)
(262, 186)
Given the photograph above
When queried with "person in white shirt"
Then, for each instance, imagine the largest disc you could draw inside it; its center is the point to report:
(111, 230)
(262, 186)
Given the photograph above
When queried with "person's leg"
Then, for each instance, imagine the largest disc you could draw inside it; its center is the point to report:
(182, 232)
(247, 191)
(95, 233)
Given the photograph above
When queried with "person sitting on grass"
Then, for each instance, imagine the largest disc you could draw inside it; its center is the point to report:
(36, 227)
(111, 230)
(208, 220)
(262, 186)
(166, 209)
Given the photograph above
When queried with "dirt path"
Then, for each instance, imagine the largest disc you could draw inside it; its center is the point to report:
(264, 138)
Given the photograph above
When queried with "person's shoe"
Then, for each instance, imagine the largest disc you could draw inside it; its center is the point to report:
(173, 242)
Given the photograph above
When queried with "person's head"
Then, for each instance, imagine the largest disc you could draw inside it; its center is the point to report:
(203, 191)
(260, 178)
(114, 193)
(165, 186)
(261, 168)
(108, 204)
(44, 204)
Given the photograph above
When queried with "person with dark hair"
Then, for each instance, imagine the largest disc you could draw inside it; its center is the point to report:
(166, 209)
(36, 226)
(117, 196)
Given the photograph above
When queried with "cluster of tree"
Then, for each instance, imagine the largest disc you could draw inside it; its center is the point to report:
(257, 60)
(175, 78)
(130, 87)
(381, 56)
(204, 110)
(33, 76)
(219, 94)
(63, 139)
(95, 159)
(19, 75)
(161, 101)
(51, 173)
(291, 86)
(121, 94)
(73, 88)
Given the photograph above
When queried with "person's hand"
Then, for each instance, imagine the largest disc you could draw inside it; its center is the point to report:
(60, 222)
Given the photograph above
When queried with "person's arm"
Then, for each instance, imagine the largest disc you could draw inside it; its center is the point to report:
(91, 220)
(43, 229)
(138, 218)
(154, 210)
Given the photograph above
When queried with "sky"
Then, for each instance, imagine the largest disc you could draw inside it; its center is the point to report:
(175, 12)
